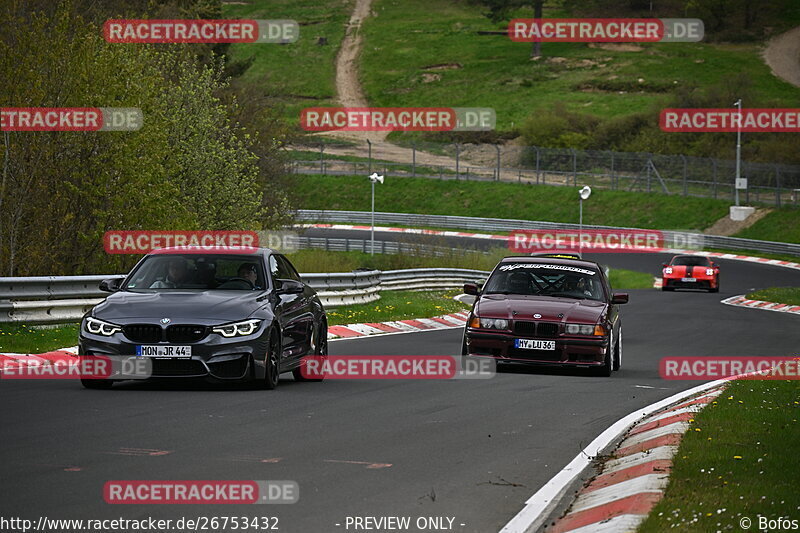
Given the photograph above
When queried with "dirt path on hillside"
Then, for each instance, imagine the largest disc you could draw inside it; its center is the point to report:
(348, 86)
(727, 227)
(782, 55)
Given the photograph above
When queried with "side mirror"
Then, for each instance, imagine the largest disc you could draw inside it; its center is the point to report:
(664, 265)
(619, 298)
(290, 286)
(110, 285)
(471, 288)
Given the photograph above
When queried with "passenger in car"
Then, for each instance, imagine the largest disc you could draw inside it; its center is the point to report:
(177, 273)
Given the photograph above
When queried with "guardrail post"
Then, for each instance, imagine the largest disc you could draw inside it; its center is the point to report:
(322, 158)
(777, 186)
(498, 161)
(537, 164)
(413, 159)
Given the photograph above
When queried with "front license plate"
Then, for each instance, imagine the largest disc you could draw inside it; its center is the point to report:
(163, 351)
(688, 280)
(533, 344)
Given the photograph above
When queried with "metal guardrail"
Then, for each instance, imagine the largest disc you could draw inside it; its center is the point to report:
(489, 225)
(59, 299)
(381, 247)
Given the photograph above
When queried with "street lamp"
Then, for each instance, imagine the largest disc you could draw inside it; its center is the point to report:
(373, 178)
(584, 195)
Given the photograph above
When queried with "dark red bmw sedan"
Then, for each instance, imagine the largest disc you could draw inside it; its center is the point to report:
(546, 311)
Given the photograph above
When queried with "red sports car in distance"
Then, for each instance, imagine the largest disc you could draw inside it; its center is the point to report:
(690, 272)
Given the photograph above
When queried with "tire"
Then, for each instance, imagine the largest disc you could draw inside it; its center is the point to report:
(97, 384)
(715, 289)
(272, 364)
(618, 351)
(664, 286)
(464, 350)
(320, 350)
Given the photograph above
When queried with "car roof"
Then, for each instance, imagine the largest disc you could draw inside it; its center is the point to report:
(551, 260)
(215, 250)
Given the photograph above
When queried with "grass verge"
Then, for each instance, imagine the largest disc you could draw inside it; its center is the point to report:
(508, 200)
(629, 279)
(398, 305)
(21, 338)
(734, 462)
(781, 295)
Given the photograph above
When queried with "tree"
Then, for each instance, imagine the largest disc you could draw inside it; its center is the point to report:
(191, 166)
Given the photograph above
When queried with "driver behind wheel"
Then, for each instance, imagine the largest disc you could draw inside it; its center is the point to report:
(578, 285)
(249, 271)
(177, 274)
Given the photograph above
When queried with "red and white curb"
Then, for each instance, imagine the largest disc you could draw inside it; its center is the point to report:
(453, 320)
(633, 481)
(415, 231)
(443, 233)
(742, 301)
(64, 356)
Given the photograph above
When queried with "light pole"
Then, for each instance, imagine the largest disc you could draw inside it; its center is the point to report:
(373, 178)
(584, 195)
(738, 149)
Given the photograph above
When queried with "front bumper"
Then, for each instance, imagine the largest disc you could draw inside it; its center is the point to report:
(569, 351)
(214, 356)
(700, 283)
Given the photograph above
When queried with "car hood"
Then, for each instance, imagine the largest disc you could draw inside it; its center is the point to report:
(204, 307)
(525, 306)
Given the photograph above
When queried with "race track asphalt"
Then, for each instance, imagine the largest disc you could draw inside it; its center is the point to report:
(471, 450)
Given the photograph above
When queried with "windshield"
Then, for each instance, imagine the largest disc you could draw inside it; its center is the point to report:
(197, 272)
(545, 280)
(690, 260)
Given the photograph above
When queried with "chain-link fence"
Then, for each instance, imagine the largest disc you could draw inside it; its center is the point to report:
(773, 184)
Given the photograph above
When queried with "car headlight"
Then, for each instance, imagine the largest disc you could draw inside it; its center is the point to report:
(238, 329)
(580, 329)
(709, 272)
(489, 323)
(585, 329)
(668, 270)
(100, 327)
